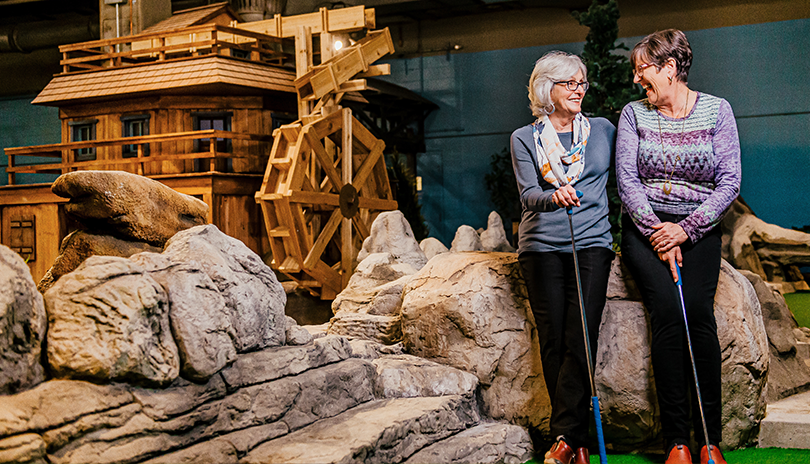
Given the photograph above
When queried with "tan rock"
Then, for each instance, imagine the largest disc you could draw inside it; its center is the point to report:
(109, 321)
(128, 206)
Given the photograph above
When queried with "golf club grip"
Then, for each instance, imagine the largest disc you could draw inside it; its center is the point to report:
(597, 416)
(569, 209)
(680, 280)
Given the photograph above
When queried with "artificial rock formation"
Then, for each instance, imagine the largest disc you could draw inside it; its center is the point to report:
(128, 206)
(788, 372)
(22, 325)
(432, 247)
(770, 251)
(466, 239)
(470, 311)
(391, 233)
(368, 307)
(624, 367)
(494, 237)
(123, 214)
(107, 320)
(80, 245)
(254, 299)
(186, 311)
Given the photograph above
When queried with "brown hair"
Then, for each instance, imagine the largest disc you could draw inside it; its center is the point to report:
(660, 46)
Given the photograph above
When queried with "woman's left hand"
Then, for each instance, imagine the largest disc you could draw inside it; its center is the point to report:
(667, 236)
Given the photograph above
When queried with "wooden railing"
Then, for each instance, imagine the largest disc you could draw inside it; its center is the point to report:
(66, 152)
(173, 44)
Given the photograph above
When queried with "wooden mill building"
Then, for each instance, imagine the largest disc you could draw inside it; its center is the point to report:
(191, 102)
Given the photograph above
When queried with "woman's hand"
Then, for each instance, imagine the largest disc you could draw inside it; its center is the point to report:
(674, 258)
(667, 236)
(565, 196)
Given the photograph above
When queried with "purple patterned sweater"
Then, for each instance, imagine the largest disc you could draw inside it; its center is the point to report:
(706, 178)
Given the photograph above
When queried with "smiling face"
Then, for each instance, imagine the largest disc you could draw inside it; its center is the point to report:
(566, 102)
(653, 79)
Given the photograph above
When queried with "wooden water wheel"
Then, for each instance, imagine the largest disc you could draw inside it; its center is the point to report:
(326, 181)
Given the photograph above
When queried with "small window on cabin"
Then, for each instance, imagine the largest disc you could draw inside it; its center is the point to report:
(134, 126)
(220, 120)
(216, 121)
(83, 131)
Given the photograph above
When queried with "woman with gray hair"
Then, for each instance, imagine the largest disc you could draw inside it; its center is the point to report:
(553, 157)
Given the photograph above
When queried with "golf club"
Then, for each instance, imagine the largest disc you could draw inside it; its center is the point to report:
(694, 368)
(588, 356)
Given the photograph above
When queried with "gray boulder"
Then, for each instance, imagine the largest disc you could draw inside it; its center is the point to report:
(432, 247)
(254, 299)
(391, 233)
(201, 327)
(470, 311)
(494, 237)
(128, 206)
(788, 371)
(22, 325)
(110, 321)
(492, 442)
(408, 376)
(466, 239)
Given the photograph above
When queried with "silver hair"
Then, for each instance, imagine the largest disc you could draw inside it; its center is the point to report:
(552, 67)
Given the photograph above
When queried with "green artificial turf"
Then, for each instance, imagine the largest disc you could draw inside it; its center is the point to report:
(799, 304)
(744, 456)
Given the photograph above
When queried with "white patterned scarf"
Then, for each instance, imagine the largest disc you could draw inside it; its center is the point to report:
(558, 166)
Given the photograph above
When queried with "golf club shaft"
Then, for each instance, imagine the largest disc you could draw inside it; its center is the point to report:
(597, 415)
(694, 366)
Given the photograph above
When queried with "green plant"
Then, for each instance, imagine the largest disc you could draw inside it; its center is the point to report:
(612, 87)
(502, 186)
(404, 189)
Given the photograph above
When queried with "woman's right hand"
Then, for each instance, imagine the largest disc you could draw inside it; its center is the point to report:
(565, 196)
(675, 260)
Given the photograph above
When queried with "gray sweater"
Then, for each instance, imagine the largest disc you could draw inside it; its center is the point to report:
(543, 225)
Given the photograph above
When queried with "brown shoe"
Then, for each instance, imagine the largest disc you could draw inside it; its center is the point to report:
(717, 456)
(560, 453)
(582, 456)
(679, 454)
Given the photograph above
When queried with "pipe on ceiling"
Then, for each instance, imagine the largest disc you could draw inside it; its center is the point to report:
(27, 37)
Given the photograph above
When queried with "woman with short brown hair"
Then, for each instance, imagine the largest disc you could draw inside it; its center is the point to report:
(678, 170)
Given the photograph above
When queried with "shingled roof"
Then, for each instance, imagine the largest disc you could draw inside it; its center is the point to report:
(194, 73)
(220, 13)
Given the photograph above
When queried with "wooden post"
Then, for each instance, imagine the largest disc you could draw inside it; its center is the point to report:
(140, 159)
(347, 247)
(212, 166)
(303, 62)
(11, 175)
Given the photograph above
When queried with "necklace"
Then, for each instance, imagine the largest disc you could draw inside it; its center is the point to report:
(667, 188)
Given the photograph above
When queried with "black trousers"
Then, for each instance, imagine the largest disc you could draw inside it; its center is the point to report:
(552, 288)
(672, 367)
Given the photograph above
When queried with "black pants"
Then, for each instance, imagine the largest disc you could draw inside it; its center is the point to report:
(672, 367)
(551, 284)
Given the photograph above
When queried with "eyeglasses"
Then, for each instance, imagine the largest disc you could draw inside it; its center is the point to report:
(640, 68)
(574, 85)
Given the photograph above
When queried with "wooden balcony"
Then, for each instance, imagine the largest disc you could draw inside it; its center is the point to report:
(66, 153)
(175, 44)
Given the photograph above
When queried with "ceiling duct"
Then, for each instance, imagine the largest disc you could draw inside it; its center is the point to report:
(27, 37)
